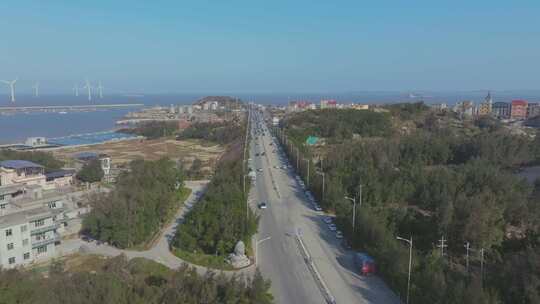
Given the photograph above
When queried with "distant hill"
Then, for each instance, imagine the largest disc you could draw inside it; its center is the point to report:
(225, 101)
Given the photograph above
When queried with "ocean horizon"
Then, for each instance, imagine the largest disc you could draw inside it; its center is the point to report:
(15, 128)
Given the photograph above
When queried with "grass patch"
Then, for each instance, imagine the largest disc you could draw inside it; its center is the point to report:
(148, 267)
(201, 259)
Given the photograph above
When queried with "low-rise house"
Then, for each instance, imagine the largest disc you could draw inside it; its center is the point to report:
(21, 172)
(59, 179)
(105, 160)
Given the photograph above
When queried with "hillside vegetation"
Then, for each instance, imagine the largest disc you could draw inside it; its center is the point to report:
(138, 281)
(439, 178)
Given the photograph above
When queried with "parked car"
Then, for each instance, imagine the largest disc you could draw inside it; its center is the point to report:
(327, 220)
(332, 227)
(339, 234)
(364, 263)
(318, 208)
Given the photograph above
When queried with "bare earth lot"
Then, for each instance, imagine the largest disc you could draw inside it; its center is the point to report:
(125, 151)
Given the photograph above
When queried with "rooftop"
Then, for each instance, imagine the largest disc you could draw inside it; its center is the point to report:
(22, 217)
(19, 164)
(59, 173)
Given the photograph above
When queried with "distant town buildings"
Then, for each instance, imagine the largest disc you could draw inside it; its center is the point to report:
(328, 104)
(485, 107)
(533, 110)
(464, 108)
(518, 109)
(501, 110)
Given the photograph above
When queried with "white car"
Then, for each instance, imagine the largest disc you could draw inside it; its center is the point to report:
(318, 208)
(327, 220)
(332, 227)
(339, 235)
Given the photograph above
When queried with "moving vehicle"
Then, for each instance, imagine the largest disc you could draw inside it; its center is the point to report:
(364, 263)
(263, 205)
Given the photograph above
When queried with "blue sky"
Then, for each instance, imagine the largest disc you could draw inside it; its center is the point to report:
(272, 46)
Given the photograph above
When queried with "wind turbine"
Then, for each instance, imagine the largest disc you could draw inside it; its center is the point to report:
(76, 90)
(89, 88)
(100, 90)
(36, 89)
(12, 87)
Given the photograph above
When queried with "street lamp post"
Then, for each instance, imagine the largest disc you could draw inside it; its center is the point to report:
(307, 160)
(322, 174)
(247, 201)
(352, 199)
(410, 242)
(257, 248)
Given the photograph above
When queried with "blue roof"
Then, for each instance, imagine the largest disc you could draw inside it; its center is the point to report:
(59, 173)
(82, 155)
(19, 164)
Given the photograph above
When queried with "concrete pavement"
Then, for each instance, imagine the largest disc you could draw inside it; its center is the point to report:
(281, 260)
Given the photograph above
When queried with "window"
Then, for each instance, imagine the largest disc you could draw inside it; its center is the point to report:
(52, 205)
(11, 260)
(39, 223)
(42, 249)
(3, 206)
(10, 246)
(25, 242)
(23, 228)
(26, 256)
(2, 197)
(9, 232)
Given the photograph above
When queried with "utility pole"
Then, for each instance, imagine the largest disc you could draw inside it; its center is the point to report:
(467, 248)
(442, 245)
(410, 242)
(297, 158)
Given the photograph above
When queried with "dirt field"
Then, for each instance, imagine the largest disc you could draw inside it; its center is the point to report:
(125, 151)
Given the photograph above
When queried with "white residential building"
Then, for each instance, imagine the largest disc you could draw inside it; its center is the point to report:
(28, 236)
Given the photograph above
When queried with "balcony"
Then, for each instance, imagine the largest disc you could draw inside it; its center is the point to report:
(46, 241)
(45, 228)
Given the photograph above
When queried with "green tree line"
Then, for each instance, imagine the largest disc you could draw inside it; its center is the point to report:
(221, 133)
(154, 129)
(218, 221)
(143, 199)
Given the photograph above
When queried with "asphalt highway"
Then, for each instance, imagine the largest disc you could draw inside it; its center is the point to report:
(281, 258)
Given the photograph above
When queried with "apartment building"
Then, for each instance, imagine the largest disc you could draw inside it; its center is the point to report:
(28, 236)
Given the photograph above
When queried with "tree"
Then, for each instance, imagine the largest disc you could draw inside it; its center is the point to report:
(91, 172)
